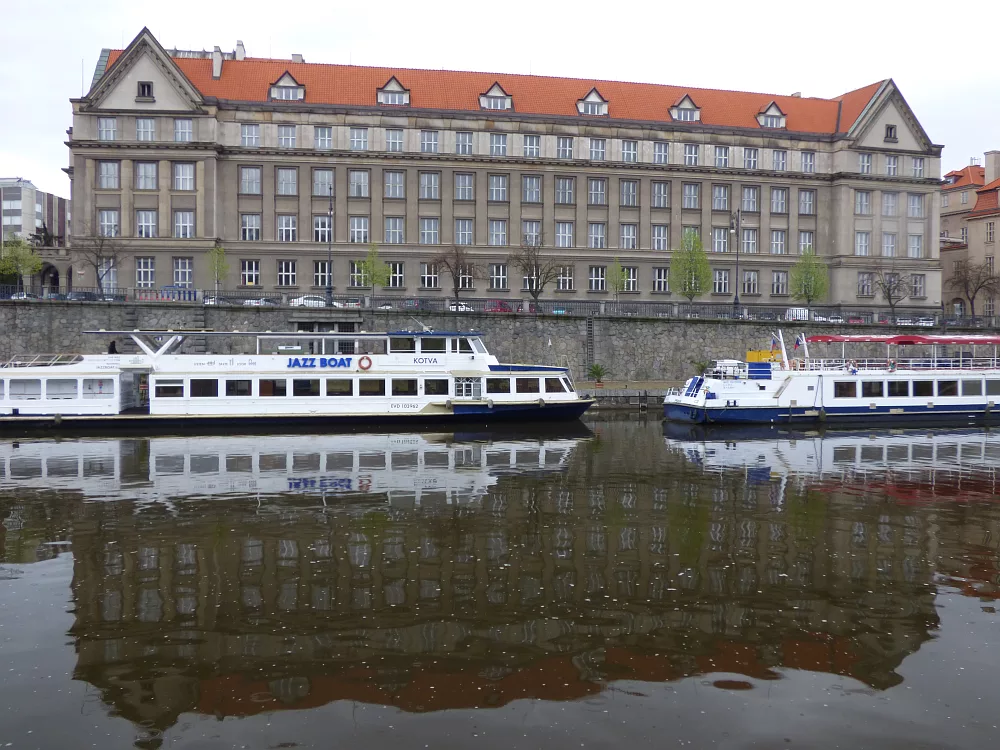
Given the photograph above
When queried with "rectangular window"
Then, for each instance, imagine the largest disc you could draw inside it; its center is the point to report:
(498, 276)
(564, 147)
(465, 278)
(183, 225)
(691, 151)
(436, 386)
(750, 158)
(358, 277)
(463, 143)
(845, 389)
(145, 272)
(564, 280)
(463, 186)
(532, 146)
(249, 273)
(498, 144)
(892, 165)
(430, 186)
(872, 389)
(498, 232)
(722, 157)
(889, 203)
(629, 192)
(404, 387)
(286, 136)
(287, 273)
(972, 387)
(597, 235)
(888, 245)
(340, 387)
(463, 231)
(751, 282)
(498, 188)
(250, 180)
(720, 281)
(661, 152)
(779, 245)
(780, 161)
(779, 200)
(204, 388)
(359, 139)
(807, 242)
(597, 191)
(322, 273)
(108, 175)
(720, 239)
(322, 137)
(660, 237)
(107, 129)
(531, 189)
(428, 141)
(661, 280)
(396, 278)
(273, 388)
(145, 129)
(629, 236)
(430, 231)
(183, 176)
(358, 229)
(164, 388)
(750, 241)
(249, 135)
(918, 284)
(630, 151)
(807, 202)
(393, 140)
(250, 227)
(183, 130)
(322, 228)
(720, 197)
(915, 246)
(305, 387)
(357, 183)
(630, 279)
(564, 234)
(526, 385)
(288, 181)
(323, 182)
(779, 283)
(865, 284)
(598, 149)
(428, 276)
(965, 234)
(498, 385)
(598, 279)
(915, 206)
(394, 230)
(918, 166)
(145, 175)
(862, 243)
(808, 161)
(865, 163)
(691, 195)
(287, 227)
(145, 223)
(923, 388)
(660, 194)
(531, 233)
(947, 388)
(565, 192)
(751, 195)
(990, 231)
(899, 389)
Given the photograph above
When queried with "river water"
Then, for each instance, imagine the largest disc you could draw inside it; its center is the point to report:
(607, 584)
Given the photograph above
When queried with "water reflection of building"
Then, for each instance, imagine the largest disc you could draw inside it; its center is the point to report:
(547, 587)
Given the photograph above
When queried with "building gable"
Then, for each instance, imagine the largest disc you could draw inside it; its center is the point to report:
(889, 123)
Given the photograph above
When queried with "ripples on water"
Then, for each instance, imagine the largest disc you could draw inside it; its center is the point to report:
(630, 574)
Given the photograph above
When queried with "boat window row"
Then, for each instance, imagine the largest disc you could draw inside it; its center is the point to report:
(37, 389)
(345, 387)
(392, 345)
(915, 388)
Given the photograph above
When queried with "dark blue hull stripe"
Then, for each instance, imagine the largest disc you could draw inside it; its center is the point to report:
(800, 415)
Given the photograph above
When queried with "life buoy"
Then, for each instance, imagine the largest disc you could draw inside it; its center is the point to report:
(365, 362)
(892, 365)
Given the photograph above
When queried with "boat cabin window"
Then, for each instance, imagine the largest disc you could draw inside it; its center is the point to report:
(433, 345)
(993, 387)
(61, 388)
(845, 389)
(872, 389)
(2, 388)
(527, 385)
(371, 387)
(273, 388)
(169, 388)
(204, 388)
(436, 387)
(22, 389)
(568, 384)
(498, 385)
(339, 387)
(478, 345)
(239, 387)
(401, 387)
(899, 388)
(972, 387)
(402, 344)
(554, 385)
(468, 388)
(844, 454)
(923, 388)
(461, 346)
(305, 387)
(100, 388)
(947, 388)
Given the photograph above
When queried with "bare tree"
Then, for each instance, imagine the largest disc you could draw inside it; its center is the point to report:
(460, 266)
(893, 285)
(972, 279)
(538, 269)
(104, 253)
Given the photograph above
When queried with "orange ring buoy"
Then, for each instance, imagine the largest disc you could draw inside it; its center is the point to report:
(365, 362)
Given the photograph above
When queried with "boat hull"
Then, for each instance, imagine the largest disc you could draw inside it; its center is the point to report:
(911, 415)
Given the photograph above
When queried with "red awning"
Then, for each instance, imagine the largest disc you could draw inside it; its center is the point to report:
(906, 340)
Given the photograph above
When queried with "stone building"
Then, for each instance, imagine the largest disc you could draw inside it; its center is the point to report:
(286, 163)
(43, 218)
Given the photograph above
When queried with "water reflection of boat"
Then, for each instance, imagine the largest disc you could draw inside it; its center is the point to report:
(405, 468)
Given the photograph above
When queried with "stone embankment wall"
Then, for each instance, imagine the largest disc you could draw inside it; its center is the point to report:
(629, 348)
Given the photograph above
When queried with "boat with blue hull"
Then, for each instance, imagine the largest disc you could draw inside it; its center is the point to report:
(292, 378)
(944, 380)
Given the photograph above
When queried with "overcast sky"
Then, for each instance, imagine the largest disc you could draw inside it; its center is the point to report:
(933, 52)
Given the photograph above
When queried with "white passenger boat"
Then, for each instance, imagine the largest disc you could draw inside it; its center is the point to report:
(949, 380)
(291, 377)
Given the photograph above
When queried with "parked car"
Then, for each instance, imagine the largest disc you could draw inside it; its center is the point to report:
(835, 319)
(925, 322)
(82, 296)
(259, 302)
(308, 300)
(905, 322)
(497, 306)
(460, 307)
(24, 296)
(820, 318)
(559, 311)
(387, 306)
(855, 319)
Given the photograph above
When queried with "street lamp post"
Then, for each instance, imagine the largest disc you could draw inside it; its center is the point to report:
(734, 230)
(329, 253)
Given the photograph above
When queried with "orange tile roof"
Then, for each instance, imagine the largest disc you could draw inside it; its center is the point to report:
(967, 176)
(249, 80)
(987, 200)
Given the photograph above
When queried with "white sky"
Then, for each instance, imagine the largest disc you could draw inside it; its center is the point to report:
(933, 51)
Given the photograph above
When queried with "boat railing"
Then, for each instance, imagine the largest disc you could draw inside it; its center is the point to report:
(884, 364)
(42, 360)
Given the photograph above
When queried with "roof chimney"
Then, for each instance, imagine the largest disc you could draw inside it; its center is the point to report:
(296, 57)
(217, 63)
(992, 166)
(241, 51)
(797, 94)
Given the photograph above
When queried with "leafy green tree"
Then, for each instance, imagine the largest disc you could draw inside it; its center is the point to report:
(617, 278)
(217, 265)
(690, 272)
(374, 271)
(19, 259)
(810, 278)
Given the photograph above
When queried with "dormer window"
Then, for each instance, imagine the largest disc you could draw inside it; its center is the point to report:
(287, 89)
(496, 98)
(890, 134)
(771, 117)
(593, 105)
(685, 110)
(393, 94)
(144, 91)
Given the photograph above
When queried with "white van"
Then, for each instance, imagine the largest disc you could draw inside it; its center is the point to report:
(797, 313)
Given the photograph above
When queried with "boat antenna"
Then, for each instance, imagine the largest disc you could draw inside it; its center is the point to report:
(424, 327)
